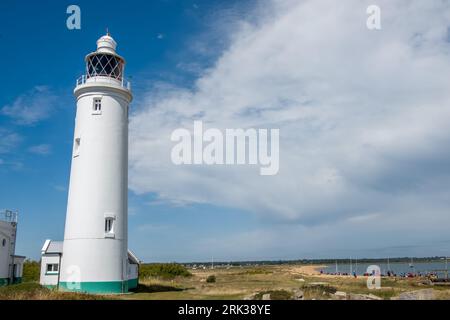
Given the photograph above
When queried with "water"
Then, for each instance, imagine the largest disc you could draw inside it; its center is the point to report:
(396, 267)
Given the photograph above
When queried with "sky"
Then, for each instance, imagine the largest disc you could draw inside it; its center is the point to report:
(363, 118)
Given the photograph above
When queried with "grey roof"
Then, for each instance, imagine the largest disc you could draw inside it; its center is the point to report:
(51, 246)
(55, 247)
(132, 257)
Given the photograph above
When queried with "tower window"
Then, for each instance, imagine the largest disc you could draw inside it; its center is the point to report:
(77, 144)
(109, 225)
(4, 242)
(97, 106)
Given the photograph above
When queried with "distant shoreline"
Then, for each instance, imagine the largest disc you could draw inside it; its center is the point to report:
(325, 262)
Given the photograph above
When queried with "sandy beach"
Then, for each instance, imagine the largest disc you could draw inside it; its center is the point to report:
(311, 270)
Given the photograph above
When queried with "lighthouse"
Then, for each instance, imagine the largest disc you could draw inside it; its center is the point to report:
(94, 255)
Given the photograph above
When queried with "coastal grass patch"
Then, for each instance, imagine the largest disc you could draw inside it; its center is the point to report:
(34, 291)
(274, 295)
(254, 271)
(318, 291)
(163, 270)
(390, 286)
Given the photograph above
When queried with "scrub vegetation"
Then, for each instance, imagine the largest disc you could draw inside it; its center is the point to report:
(274, 295)
(34, 291)
(280, 282)
(163, 270)
(211, 279)
(31, 271)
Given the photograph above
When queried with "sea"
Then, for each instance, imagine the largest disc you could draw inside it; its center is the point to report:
(398, 268)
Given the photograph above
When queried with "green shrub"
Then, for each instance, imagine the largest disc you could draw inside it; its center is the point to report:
(31, 271)
(163, 270)
(275, 295)
(318, 291)
(211, 279)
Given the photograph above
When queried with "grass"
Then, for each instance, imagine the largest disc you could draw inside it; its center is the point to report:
(239, 283)
(320, 291)
(34, 291)
(235, 283)
(274, 295)
(253, 271)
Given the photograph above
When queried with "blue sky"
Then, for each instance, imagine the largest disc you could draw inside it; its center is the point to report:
(364, 164)
(42, 52)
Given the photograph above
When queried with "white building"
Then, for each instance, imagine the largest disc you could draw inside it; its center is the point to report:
(11, 265)
(51, 256)
(94, 255)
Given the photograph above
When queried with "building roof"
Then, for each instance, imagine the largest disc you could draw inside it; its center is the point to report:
(51, 246)
(19, 258)
(132, 257)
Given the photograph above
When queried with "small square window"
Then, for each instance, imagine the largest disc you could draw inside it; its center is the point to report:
(97, 106)
(52, 268)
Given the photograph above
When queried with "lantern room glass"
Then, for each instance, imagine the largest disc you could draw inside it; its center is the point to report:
(106, 65)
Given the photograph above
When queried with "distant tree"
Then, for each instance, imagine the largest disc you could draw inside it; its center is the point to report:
(31, 271)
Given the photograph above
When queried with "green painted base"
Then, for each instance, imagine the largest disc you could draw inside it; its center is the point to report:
(132, 283)
(108, 287)
(5, 281)
(50, 286)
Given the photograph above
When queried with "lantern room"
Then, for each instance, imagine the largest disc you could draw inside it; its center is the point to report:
(105, 62)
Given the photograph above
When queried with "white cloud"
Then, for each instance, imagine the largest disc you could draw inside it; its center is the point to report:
(8, 140)
(362, 114)
(31, 107)
(40, 149)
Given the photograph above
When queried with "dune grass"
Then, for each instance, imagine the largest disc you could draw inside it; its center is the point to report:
(34, 291)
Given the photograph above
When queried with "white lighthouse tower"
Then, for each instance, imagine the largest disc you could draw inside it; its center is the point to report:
(95, 254)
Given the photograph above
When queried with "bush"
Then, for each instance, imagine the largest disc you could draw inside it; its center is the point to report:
(318, 291)
(31, 271)
(211, 279)
(275, 295)
(320, 288)
(163, 270)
